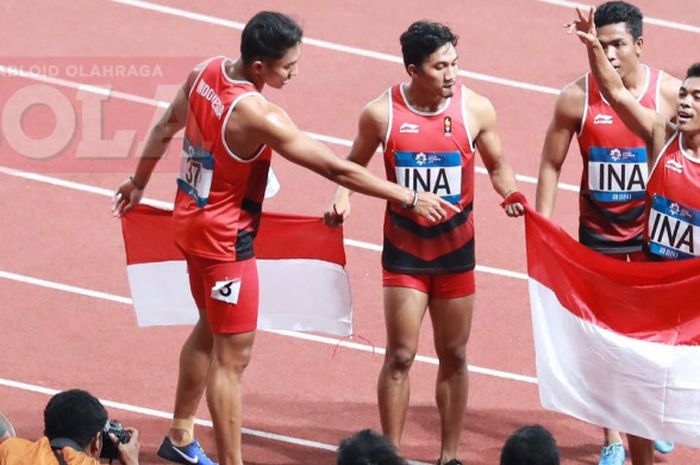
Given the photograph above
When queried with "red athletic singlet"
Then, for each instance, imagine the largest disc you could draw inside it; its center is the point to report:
(429, 152)
(219, 197)
(673, 205)
(613, 180)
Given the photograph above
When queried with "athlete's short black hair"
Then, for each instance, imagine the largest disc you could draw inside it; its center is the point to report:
(620, 12)
(693, 71)
(368, 448)
(268, 36)
(422, 39)
(530, 445)
(74, 414)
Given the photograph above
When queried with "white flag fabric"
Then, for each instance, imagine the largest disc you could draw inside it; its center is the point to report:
(617, 343)
(303, 283)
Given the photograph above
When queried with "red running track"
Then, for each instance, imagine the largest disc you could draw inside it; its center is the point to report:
(295, 389)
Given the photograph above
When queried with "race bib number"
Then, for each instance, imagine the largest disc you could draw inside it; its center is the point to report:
(436, 172)
(226, 291)
(196, 170)
(617, 175)
(674, 230)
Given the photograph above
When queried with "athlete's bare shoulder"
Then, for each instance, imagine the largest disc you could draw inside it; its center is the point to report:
(573, 96)
(378, 108)
(374, 118)
(668, 91)
(478, 105)
(670, 85)
(571, 104)
(254, 110)
(256, 121)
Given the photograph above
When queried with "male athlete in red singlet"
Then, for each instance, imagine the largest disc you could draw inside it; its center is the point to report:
(672, 228)
(430, 129)
(230, 133)
(614, 176)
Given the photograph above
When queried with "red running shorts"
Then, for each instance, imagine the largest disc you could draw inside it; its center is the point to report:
(227, 291)
(438, 286)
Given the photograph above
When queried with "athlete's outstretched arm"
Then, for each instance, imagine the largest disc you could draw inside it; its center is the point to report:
(129, 192)
(269, 123)
(371, 127)
(567, 116)
(491, 150)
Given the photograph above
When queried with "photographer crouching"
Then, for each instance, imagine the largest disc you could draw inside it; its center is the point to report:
(77, 431)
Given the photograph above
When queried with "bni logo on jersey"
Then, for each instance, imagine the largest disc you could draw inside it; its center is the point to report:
(436, 172)
(674, 229)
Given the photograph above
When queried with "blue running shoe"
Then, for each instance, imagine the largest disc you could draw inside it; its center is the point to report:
(191, 454)
(664, 447)
(612, 454)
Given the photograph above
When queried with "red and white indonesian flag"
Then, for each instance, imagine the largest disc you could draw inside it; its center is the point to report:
(617, 343)
(303, 285)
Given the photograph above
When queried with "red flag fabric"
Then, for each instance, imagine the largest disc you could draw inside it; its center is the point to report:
(303, 283)
(617, 343)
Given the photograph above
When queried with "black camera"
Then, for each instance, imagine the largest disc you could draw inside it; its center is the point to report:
(109, 449)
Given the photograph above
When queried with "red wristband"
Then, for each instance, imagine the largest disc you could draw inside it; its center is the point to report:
(514, 197)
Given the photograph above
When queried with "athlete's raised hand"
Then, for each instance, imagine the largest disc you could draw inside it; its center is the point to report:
(584, 26)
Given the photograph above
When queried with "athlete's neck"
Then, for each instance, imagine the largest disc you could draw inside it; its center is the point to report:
(239, 71)
(635, 80)
(691, 143)
(421, 101)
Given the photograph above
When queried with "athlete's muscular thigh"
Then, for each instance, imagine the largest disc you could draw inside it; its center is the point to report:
(404, 309)
(452, 321)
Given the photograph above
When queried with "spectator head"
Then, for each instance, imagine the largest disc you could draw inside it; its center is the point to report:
(76, 415)
(530, 445)
(368, 448)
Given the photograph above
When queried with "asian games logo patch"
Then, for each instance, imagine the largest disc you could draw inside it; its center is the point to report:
(620, 155)
(679, 212)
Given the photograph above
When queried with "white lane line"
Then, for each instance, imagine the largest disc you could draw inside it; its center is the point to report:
(169, 206)
(293, 334)
(655, 21)
(204, 18)
(10, 71)
(77, 186)
(166, 415)
(64, 287)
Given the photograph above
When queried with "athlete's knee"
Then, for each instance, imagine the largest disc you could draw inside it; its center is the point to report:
(231, 353)
(233, 363)
(452, 356)
(399, 360)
